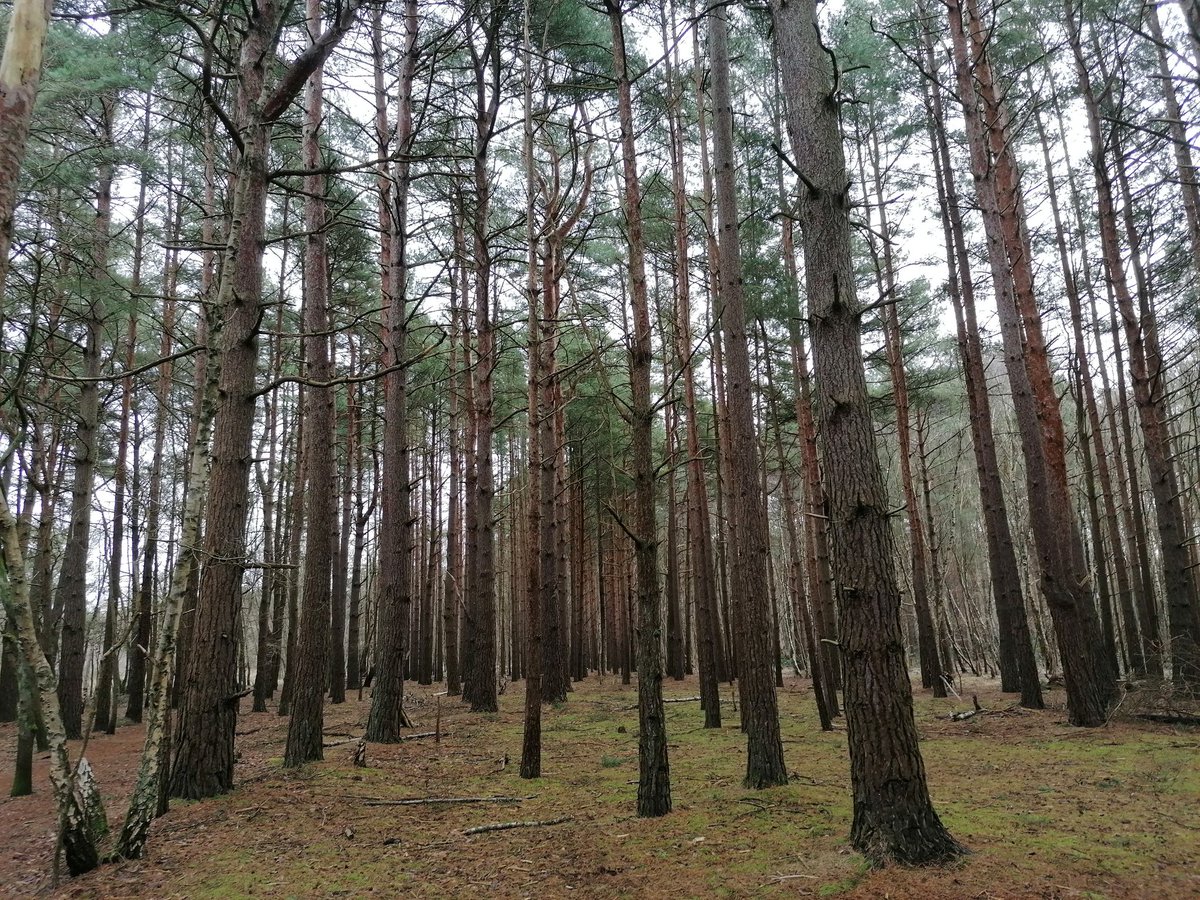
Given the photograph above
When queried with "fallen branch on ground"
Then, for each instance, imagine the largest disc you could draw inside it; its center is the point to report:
(429, 801)
(505, 826)
(683, 700)
(970, 713)
(417, 737)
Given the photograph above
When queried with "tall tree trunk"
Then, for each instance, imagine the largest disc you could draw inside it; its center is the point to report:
(535, 544)
(361, 516)
(452, 591)
(1149, 375)
(815, 553)
(795, 575)
(748, 514)
(387, 715)
(699, 535)
(290, 599)
(545, 546)
(140, 646)
(267, 589)
(204, 755)
(70, 594)
(654, 778)
(148, 797)
(107, 693)
(889, 297)
(1018, 665)
(481, 688)
(894, 817)
(341, 570)
(304, 739)
(1088, 678)
(721, 620)
(1089, 413)
(139, 618)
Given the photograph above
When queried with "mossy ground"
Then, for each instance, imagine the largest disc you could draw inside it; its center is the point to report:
(1049, 810)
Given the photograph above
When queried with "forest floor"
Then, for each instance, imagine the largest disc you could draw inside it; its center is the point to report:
(1049, 810)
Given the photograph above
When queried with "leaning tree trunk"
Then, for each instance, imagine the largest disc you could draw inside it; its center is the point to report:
(894, 818)
(1088, 412)
(81, 822)
(1150, 396)
(1128, 499)
(146, 800)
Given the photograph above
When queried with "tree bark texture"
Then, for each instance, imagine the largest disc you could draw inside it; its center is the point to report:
(894, 818)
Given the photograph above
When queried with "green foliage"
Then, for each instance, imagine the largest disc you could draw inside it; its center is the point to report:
(579, 40)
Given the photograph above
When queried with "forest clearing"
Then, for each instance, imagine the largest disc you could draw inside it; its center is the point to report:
(1048, 810)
